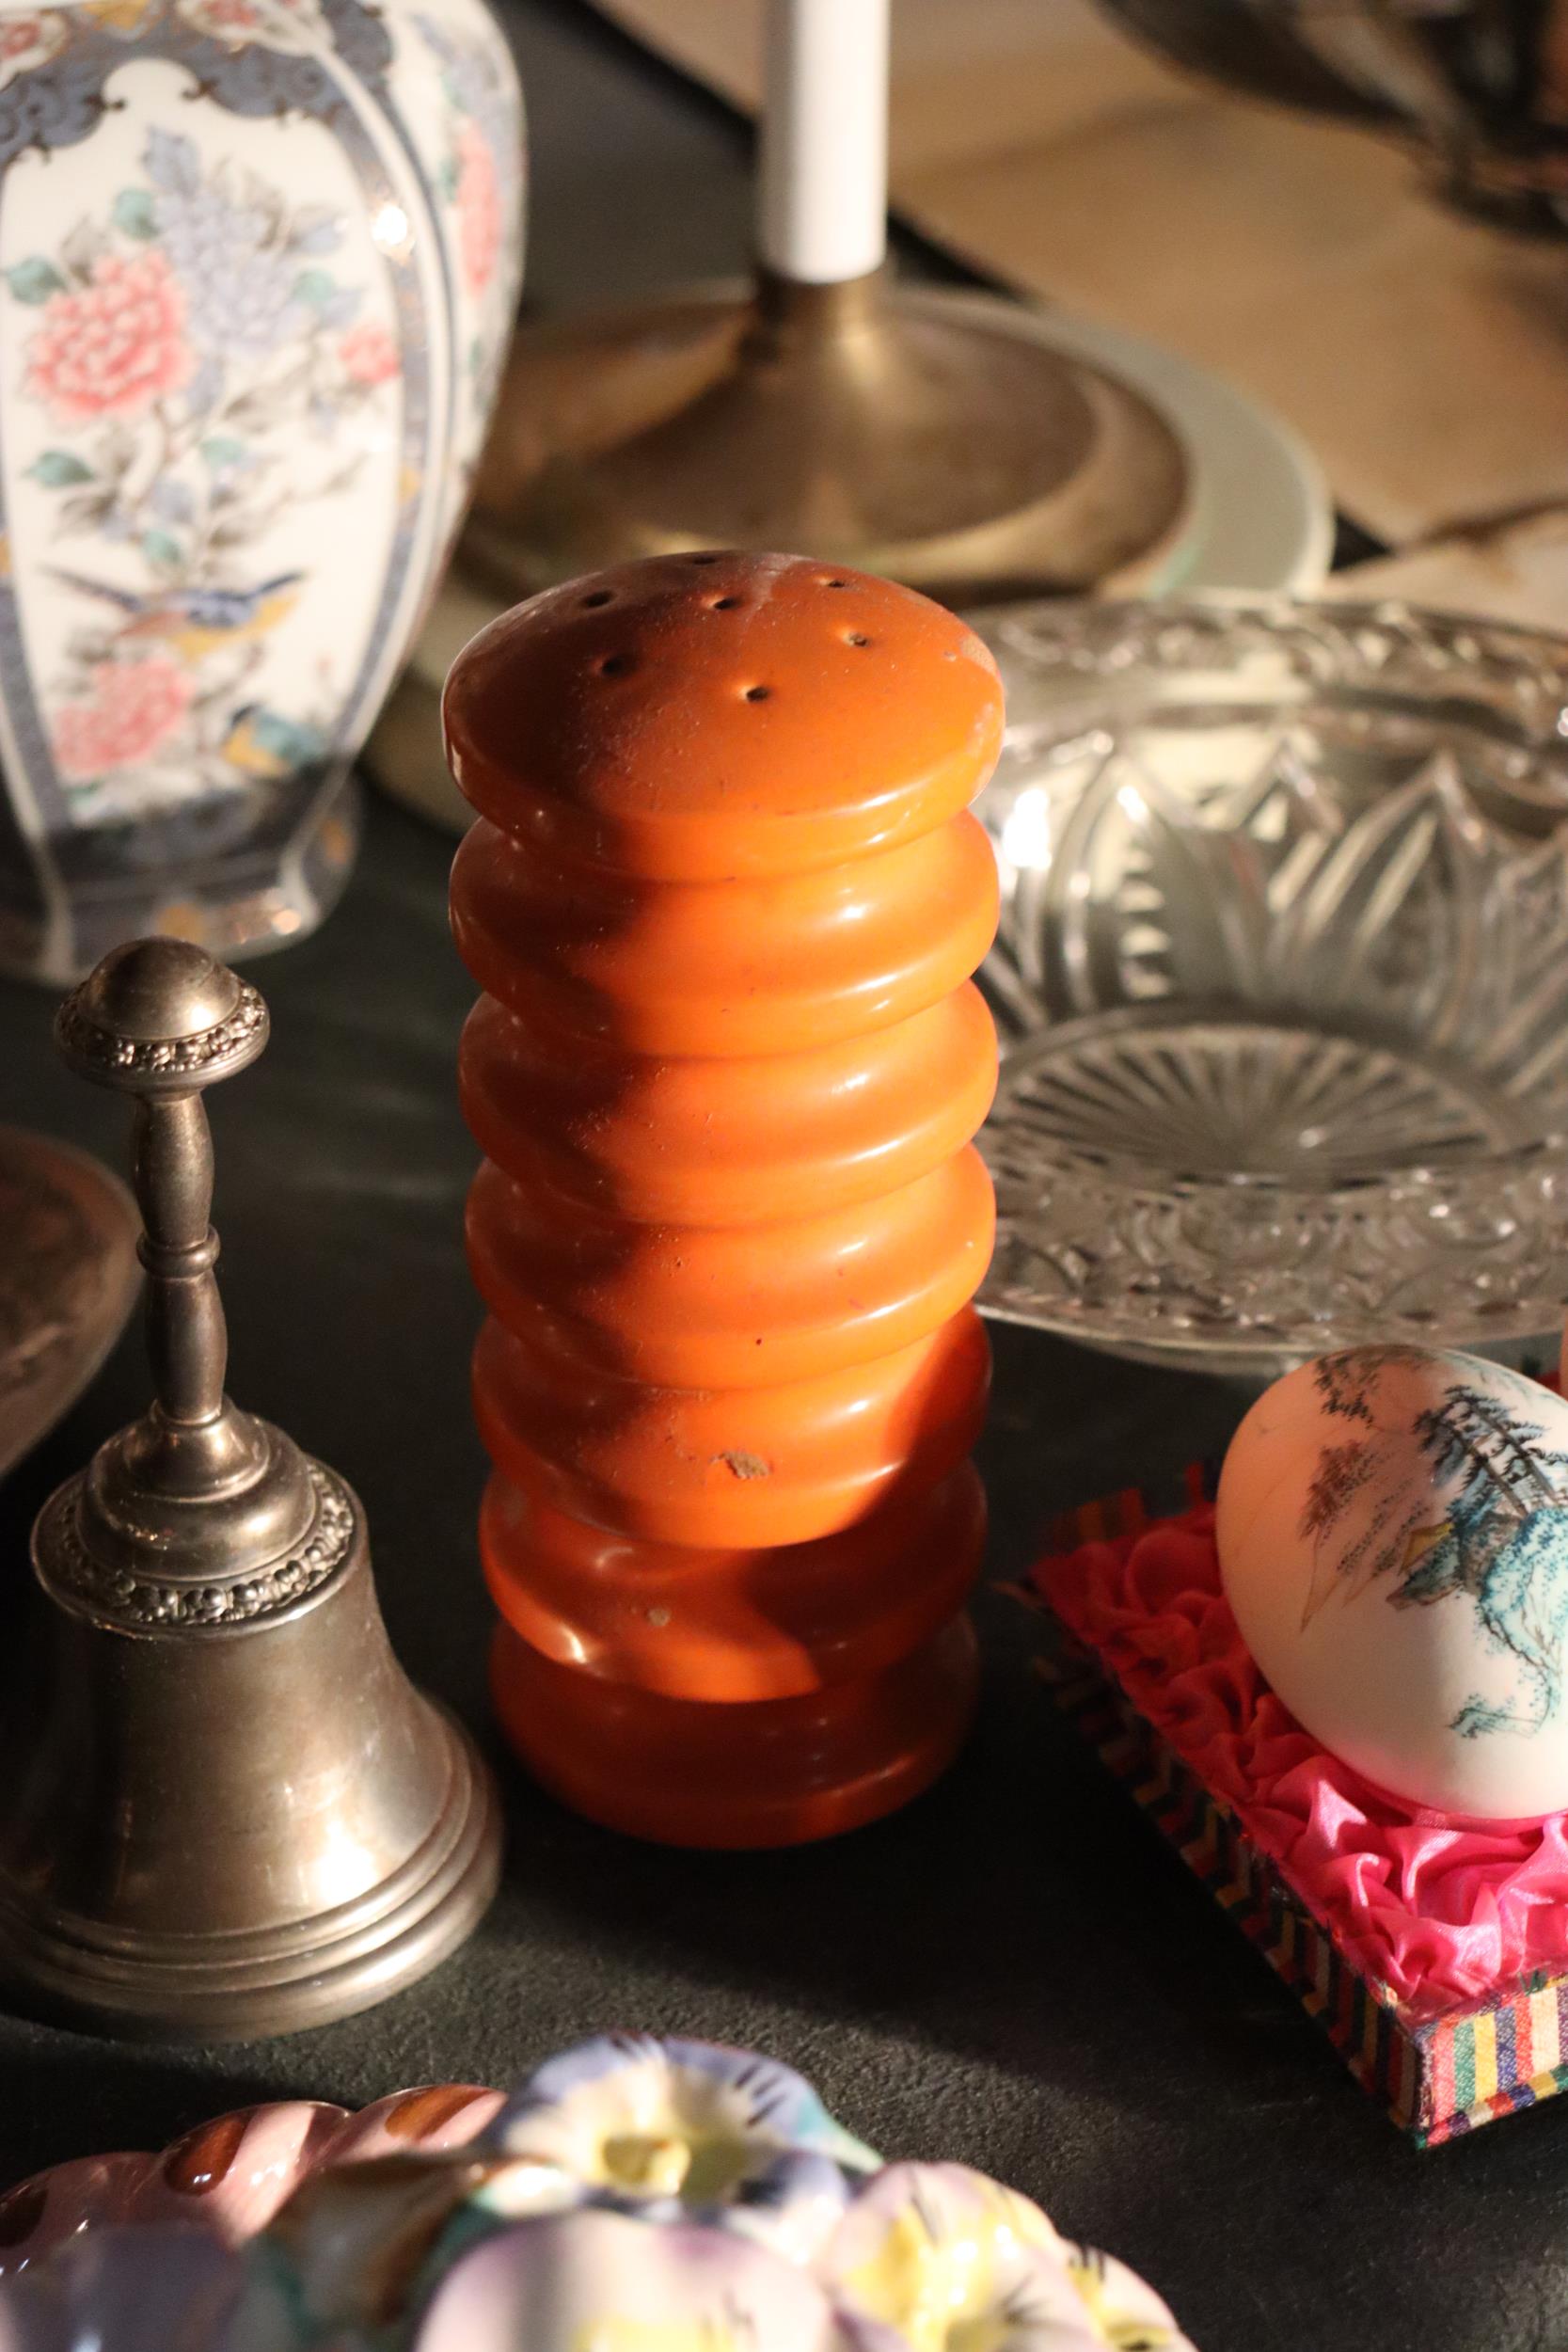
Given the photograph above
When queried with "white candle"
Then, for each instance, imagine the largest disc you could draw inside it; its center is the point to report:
(823, 212)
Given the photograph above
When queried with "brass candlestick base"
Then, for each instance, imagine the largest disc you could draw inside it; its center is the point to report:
(899, 431)
(226, 1811)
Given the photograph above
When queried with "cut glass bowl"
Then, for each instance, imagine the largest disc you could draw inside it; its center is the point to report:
(1282, 979)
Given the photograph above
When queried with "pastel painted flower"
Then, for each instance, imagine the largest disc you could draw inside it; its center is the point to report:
(132, 708)
(670, 2128)
(111, 347)
(345, 2253)
(19, 34)
(242, 291)
(479, 209)
(228, 16)
(468, 72)
(929, 2252)
(368, 354)
(242, 285)
(125, 17)
(1124, 2310)
(936, 2258)
(281, 23)
(30, 40)
(137, 2288)
(601, 2280)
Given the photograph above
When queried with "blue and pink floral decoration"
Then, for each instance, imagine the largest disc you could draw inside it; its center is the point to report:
(258, 263)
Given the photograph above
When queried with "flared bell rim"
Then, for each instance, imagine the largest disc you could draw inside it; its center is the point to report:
(64, 1967)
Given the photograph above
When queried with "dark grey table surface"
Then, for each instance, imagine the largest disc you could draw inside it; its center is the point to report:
(1014, 1973)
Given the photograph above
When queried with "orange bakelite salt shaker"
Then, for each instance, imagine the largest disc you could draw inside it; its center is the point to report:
(724, 900)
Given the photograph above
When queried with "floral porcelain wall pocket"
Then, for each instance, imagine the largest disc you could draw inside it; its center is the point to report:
(632, 2196)
(257, 264)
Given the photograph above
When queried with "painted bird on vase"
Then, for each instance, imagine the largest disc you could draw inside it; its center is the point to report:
(261, 742)
(194, 622)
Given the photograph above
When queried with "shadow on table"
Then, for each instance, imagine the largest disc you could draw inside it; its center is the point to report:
(1013, 1972)
(1008, 1917)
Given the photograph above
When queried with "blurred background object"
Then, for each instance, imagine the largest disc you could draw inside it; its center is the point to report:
(829, 412)
(69, 1279)
(967, 444)
(1421, 354)
(249, 339)
(1250, 45)
(1481, 85)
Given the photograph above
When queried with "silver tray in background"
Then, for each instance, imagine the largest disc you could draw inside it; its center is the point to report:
(69, 1279)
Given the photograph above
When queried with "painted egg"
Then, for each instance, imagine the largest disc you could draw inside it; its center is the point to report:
(1392, 1528)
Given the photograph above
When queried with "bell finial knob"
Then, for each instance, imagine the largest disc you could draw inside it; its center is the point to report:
(161, 1016)
(161, 1020)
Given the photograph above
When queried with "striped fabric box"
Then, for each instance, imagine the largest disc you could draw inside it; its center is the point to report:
(1438, 2075)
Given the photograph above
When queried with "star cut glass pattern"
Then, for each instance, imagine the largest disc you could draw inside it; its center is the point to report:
(1281, 978)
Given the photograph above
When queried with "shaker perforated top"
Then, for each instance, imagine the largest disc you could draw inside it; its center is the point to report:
(709, 716)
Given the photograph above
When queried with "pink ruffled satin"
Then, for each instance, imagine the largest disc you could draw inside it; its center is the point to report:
(1435, 1911)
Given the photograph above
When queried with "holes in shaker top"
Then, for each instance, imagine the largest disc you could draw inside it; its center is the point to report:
(616, 665)
(758, 693)
(833, 583)
(726, 604)
(600, 595)
(855, 636)
(705, 559)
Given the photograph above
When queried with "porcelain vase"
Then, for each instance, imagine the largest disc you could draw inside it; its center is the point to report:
(259, 260)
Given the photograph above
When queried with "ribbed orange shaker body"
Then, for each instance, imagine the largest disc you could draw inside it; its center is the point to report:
(724, 903)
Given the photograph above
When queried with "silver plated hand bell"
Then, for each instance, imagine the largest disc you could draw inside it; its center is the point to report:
(224, 1809)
